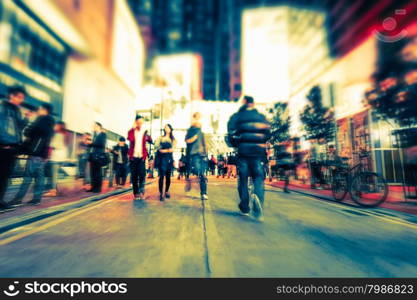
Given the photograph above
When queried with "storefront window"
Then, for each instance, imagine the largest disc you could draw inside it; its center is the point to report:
(31, 48)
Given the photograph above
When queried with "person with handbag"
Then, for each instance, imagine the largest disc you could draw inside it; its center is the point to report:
(165, 146)
(120, 160)
(196, 154)
(138, 153)
(11, 127)
(98, 158)
(38, 137)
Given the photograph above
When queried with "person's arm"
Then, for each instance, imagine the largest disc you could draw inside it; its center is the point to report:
(192, 139)
(149, 139)
(99, 142)
(22, 122)
(192, 135)
(157, 144)
(113, 150)
(231, 138)
(170, 150)
(32, 128)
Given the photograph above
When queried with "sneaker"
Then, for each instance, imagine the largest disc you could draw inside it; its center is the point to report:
(245, 214)
(136, 197)
(141, 196)
(51, 193)
(188, 186)
(34, 202)
(15, 203)
(161, 198)
(204, 197)
(286, 191)
(167, 195)
(5, 207)
(257, 208)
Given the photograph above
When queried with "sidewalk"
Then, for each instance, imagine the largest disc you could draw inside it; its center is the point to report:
(395, 200)
(71, 191)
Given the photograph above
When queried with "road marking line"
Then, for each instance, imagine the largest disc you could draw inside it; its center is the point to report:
(223, 269)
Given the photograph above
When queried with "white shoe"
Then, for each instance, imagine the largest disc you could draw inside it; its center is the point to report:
(257, 208)
(204, 197)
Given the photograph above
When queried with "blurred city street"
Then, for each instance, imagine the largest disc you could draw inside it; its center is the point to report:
(312, 103)
(185, 237)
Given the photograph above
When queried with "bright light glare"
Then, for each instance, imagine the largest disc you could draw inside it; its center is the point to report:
(265, 54)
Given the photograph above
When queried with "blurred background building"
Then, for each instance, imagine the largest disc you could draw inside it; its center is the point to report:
(106, 60)
(84, 57)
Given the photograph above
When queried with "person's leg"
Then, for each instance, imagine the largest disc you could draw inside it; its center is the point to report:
(189, 166)
(92, 175)
(87, 172)
(142, 175)
(200, 170)
(313, 174)
(287, 180)
(243, 185)
(7, 162)
(168, 181)
(118, 173)
(256, 167)
(134, 176)
(55, 173)
(96, 177)
(160, 181)
(80, 166)
(123, 174)
(27, 180)
(99, 178)
(39, 175)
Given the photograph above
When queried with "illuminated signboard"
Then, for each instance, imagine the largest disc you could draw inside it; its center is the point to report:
(265, 54)
(128, 47)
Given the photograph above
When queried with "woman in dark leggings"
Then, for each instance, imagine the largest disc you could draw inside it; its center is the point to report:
(164, 160)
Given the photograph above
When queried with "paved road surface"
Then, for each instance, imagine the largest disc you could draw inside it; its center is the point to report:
(184, 237)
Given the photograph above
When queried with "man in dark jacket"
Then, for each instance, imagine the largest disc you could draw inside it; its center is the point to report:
(38, 137)
(248, 131)
(98, 146)
(120, 160)
(11, 127)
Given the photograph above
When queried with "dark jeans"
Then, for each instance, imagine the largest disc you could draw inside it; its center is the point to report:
(96, 176)
(167, 175)
(138, 175)
(198, 167)
(7, 162)
(121, 174)
(253, 167)
(35, 169)
(84, 168)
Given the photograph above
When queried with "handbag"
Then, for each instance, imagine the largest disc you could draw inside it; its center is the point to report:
(100, 158)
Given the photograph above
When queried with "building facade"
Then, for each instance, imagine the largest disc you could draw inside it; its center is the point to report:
(89, 71)
(31, 55)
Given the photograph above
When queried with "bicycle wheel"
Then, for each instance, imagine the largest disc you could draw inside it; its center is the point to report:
(339, 186)
(368, 189)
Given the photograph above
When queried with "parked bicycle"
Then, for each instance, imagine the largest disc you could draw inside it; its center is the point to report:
(368, 189)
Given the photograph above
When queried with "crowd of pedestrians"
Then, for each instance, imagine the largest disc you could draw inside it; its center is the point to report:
(42, 141)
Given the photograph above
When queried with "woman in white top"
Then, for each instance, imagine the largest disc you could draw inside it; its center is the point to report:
(164, 160)
(59, 155)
